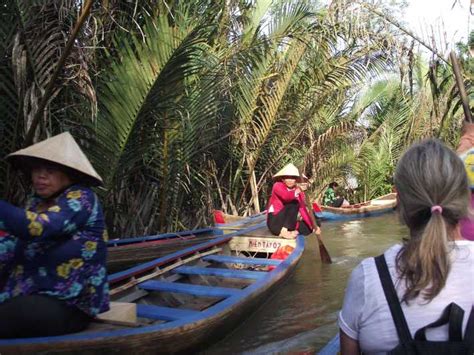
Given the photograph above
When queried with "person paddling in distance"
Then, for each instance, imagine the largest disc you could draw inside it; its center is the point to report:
(286, 201)
(53, 278)
(398, 295)
(331, 198)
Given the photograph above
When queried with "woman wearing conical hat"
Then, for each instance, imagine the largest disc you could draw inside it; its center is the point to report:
(286, 201)
(53, 278)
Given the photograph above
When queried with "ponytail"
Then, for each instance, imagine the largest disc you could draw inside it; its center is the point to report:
(424, 261)
(433, 196)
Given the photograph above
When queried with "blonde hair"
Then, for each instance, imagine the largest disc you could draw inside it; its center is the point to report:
(427, 175)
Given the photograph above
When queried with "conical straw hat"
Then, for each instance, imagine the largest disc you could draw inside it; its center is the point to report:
(61, 149)
(288, 170)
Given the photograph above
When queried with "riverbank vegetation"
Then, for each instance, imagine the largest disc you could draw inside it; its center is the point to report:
(186, 106)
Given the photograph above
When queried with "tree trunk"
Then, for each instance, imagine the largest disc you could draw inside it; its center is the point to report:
(253, 186)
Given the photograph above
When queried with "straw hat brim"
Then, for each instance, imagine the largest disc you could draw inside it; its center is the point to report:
(62, 150)
(288, 170)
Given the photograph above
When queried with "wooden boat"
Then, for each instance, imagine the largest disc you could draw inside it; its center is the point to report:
(184, 301)
(375, 207)
(228, 222)
(126, 252)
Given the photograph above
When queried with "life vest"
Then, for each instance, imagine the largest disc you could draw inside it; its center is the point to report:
(281, 254)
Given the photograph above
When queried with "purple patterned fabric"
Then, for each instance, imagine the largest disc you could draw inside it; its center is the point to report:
(58, 249)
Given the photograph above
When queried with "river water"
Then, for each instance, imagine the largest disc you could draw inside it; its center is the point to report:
(301, 316)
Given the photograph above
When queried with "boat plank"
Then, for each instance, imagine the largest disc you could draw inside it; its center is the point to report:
(228, 273)
(197, 290)
(163, 313)
(238, 260)
(134, 281)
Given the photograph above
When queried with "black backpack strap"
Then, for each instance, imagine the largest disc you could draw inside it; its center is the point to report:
(469, 333)
(452, 314)
(392, 299)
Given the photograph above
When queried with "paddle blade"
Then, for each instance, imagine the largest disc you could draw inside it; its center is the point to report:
(323, 252)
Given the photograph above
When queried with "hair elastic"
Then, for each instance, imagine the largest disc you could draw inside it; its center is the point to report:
(437, 209)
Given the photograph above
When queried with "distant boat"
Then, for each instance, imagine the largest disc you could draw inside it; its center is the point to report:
(375, 207)
(184, 301)
(126, 252)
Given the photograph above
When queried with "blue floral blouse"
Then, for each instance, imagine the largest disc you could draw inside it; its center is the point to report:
(57, 250)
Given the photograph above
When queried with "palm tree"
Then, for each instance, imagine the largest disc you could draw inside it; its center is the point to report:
(41, 82)
(183, 106)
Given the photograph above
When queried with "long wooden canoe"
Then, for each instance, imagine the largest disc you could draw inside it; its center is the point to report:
(375, 207)
(184, 301)
(127, 252)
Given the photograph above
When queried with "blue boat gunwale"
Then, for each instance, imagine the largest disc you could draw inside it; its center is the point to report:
(149, 238)
(213, 311)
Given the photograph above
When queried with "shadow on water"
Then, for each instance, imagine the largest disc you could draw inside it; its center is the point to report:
(301, 315)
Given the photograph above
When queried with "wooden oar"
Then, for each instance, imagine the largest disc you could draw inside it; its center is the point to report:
(461, 88)
(323, 252)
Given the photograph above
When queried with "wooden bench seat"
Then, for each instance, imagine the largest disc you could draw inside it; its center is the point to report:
(197, 290)
(163, 313)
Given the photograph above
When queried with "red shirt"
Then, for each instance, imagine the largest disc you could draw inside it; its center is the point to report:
(281, 195)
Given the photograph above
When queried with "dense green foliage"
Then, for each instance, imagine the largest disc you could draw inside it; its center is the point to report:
(188, 106)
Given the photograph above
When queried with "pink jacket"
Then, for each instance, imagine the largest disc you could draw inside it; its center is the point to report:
(467, 224)
(465, 143)
(282, 195)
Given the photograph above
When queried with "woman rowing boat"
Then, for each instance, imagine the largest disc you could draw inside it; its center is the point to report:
(286, 201)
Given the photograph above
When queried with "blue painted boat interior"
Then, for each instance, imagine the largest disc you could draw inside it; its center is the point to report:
(196, 290)
(172, 256)
(231, 297)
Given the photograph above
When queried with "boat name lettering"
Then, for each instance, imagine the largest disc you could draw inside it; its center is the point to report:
(258, 243)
